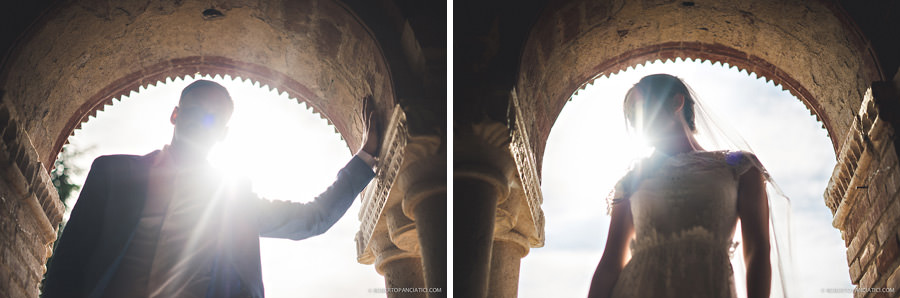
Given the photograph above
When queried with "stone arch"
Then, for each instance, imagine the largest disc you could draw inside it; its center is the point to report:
(198, 66)
(811, 48)
(79, 56)
(573, 42)
(715, 54)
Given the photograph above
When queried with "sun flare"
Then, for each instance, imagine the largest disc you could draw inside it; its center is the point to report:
(288, 153)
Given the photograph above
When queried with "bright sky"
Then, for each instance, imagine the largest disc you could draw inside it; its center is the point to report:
(583, 160)
(287, 151)
(292, 154)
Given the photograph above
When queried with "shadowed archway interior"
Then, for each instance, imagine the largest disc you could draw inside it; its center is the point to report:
(519, 68)
(66, 60)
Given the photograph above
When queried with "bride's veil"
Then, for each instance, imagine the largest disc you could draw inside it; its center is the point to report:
(714, 134)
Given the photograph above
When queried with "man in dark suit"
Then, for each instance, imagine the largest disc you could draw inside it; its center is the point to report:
(166, 225)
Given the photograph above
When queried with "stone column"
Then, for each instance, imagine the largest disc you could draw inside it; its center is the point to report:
(400, 268)
(427, 203)
(473, 233)
(405, 210)
(423, 183)
(404, 273)
(482, 172)
(506, 257)
(509, 247)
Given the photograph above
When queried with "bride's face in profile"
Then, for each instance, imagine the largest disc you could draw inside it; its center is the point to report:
(657, 121)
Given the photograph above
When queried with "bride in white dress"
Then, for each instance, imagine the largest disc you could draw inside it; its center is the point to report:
(678, 208)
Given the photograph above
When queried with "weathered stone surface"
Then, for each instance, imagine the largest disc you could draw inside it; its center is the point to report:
(867, 209)
(76, 57)
(544, 52)
(85, 54)
(785, 41)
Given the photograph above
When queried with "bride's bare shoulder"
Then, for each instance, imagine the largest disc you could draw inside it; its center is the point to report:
(742, 160)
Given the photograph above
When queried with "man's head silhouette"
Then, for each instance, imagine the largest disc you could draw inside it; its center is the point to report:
(201, 118)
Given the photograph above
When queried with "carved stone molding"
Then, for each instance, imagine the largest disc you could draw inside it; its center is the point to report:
(375, 196)
(526, 167)
(411, 168)
(509, 212)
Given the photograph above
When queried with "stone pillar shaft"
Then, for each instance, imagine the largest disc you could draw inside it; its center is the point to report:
(404, 273)
(431, 221)
(506, 257)
(473, 234)
(401, 268)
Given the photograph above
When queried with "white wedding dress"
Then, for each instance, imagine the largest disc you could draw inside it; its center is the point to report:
(684, 215)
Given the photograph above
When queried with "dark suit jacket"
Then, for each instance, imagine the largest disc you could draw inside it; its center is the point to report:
(111, 201)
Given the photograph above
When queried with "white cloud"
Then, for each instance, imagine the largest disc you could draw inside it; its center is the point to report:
(557, 274)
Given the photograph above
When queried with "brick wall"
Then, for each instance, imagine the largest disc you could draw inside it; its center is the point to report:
(863, 191)
(30, 211)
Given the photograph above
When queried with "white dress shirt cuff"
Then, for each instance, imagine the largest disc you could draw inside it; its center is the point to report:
(367, 158)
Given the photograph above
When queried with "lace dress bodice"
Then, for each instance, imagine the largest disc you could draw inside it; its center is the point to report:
(684, 209)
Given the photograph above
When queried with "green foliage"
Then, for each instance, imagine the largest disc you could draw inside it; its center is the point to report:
(61, 176)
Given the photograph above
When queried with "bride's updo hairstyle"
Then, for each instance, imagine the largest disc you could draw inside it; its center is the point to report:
(656, 90)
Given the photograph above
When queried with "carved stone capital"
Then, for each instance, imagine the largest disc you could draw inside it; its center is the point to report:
(411, 168)
(425, 172)
(385, 251)
(508, 213)
(402, 229)
(513, 236)
(482, 152)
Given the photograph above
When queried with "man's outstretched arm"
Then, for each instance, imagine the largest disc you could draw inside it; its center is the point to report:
(282, 219)
(297, 221)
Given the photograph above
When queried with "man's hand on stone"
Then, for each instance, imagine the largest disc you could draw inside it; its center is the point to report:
(371, 140)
